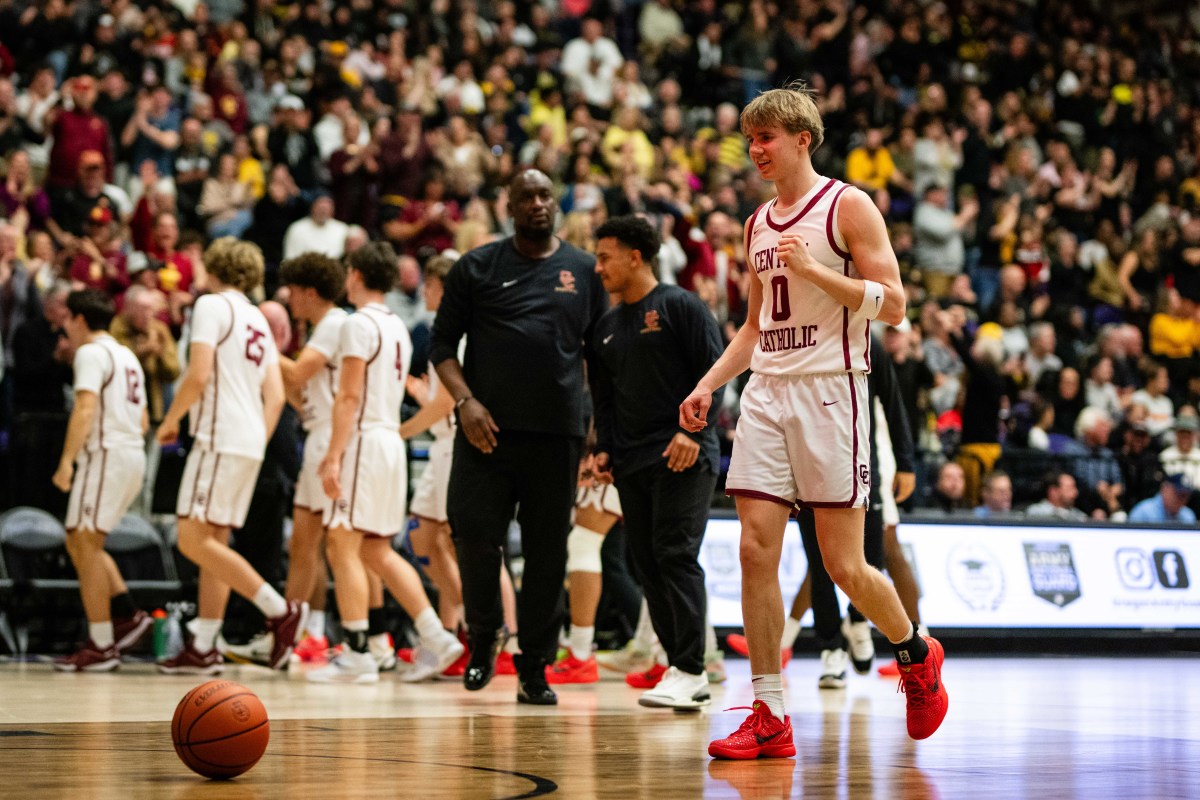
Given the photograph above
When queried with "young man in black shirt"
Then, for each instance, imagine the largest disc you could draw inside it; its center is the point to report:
(527, 304)
(650, 351)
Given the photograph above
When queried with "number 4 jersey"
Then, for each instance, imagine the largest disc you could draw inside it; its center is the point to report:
(228, 417)
(379, 338)
(111, 371)
(802, 330)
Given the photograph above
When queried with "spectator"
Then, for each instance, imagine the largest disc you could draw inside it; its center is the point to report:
(274, 215)
(21, 197)
(354, 176)
(319, 232)
(997, 496)
(152, 133)
(938, 248)
(77, 131)
(1160, 411)
(1041, 356)
(138, 328)
(191, 166)
(466, 160)
(1096, 467)
(1099, 391)
(1183, 456)
(73, 206)
(292, 144)
(948, 491)
(1140, 470)
(1170, 504)
(1059, 500)
(590, 63)
(99, 262)
(870, 168)
(225, 201)
(428, 224)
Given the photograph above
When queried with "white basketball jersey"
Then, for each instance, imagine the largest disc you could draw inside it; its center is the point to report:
(802, 330)
(320, 388)
(379, 338)
(228, 418)
(112, 372)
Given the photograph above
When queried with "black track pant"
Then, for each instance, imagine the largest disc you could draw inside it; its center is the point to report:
(531, 476)
(666, 514)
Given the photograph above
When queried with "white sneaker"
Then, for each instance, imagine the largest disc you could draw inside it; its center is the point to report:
(714, 667)
(678, 690)
(381, 649)
(833, 669)
(347, 667)
(430, 658)
(255, 651)
(635, 656)
(862, 646)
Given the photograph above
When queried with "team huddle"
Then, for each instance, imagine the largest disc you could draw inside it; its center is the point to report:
(825, 271)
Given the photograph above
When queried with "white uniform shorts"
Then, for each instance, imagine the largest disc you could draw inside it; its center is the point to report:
(429, 498)
(217, 487)
(105, 483)
(309, 495)
(601, 497)
(374, 485)
(803, 439)
(886, 458)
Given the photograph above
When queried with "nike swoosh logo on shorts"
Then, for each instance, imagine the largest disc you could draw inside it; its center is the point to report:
(828, 403)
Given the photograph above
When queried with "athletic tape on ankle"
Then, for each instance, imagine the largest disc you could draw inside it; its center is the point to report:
(583, 550)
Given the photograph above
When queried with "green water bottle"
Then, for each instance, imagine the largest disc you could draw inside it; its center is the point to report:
(160, 634)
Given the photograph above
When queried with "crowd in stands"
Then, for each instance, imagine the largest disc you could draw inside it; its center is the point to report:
(1038, 165)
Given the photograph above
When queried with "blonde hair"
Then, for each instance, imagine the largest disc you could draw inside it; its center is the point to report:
(235, 263)
(791, 108)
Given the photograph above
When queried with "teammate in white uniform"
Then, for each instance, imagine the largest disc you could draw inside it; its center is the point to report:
(825, 268)
(232, 393)
(314, 283)
(365, 475)
(102, 465)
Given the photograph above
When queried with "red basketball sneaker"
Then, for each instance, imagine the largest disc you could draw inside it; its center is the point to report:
(648, 679)
(762, 734)
(924, 691)
(90, 658)
(191, 661)
(312, 649)
(738, 644)
(889, 670)
(570, 669)
(286, 629)
(129, 631)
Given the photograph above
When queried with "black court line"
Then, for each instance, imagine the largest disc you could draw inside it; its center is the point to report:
(25, 733)
(541, 786)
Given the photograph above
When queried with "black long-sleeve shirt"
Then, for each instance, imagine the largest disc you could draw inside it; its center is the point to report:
(649, 356)
(526, 321)
(882, 383)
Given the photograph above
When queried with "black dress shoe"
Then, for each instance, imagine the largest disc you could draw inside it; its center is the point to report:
(532, 687)
(482, 664)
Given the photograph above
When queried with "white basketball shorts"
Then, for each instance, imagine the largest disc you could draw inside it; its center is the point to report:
(374, 485)
(803, 439)
(105, 483)
(429, 498)
(217, 487)
(309, 495)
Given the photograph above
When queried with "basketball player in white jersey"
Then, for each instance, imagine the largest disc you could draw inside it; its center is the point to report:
(232, 393)
(364, 473)
(102, 465)
(825, 269)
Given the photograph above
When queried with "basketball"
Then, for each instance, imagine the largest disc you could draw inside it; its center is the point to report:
(220, 729)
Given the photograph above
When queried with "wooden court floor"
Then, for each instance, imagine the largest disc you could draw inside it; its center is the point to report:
(1083, 728)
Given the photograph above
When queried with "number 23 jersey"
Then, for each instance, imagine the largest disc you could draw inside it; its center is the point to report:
(802, 330)
(228, 417)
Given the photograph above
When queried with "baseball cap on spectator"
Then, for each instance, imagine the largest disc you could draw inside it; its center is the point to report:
(83, 83)
(289, 102)
(91, 159)
(137, 262)
(1187, 422)
(1180, 482)
(100, 215)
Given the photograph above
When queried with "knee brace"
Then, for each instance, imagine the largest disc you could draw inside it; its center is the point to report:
(583, 550)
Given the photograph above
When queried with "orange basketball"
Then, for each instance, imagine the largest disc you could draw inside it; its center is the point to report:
(220, 729)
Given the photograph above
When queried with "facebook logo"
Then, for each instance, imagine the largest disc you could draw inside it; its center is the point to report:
(1172, 572)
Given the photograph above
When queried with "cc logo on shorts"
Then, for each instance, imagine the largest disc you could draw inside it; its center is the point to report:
(864, 473)
(201, 499)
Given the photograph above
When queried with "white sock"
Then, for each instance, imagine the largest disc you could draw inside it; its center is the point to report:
(316, 623)
(922, 629)
(581, 641)
(204, 634)
(429, 625)
(791, 628)
(101, 634)
(768, 689)
(269, 601)
(512, 646)
(379, 641)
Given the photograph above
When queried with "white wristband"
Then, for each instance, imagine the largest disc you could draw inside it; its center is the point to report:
(872, 301)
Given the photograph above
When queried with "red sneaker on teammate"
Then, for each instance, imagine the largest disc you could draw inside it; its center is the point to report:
(570, 669)
(924, 691)
(312, 649)
(648, 679)
(738, 644)
(762, 735)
